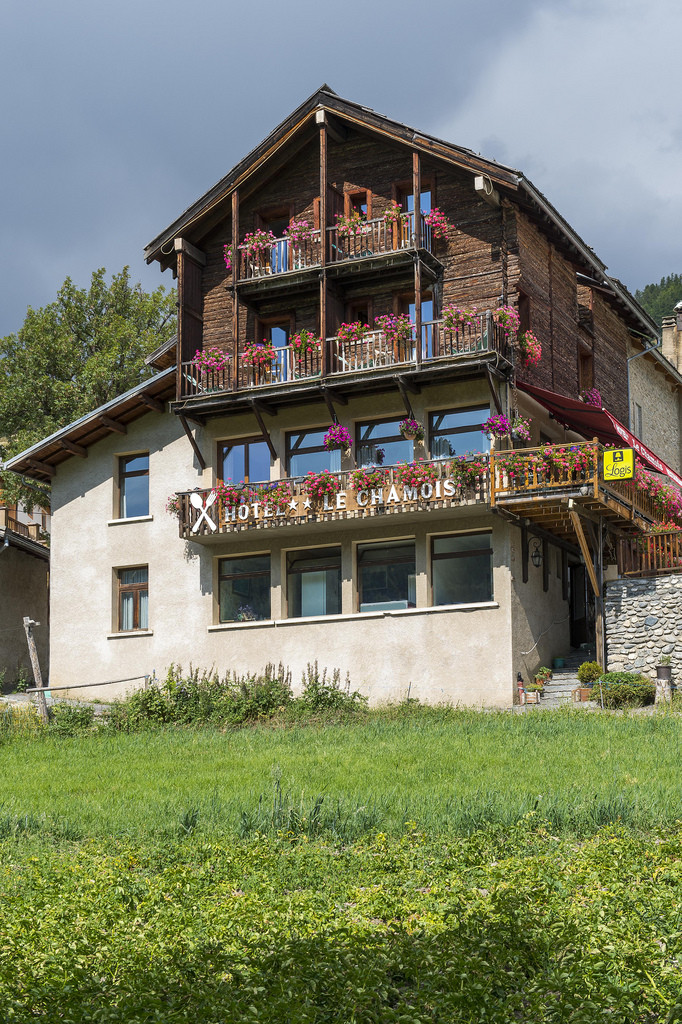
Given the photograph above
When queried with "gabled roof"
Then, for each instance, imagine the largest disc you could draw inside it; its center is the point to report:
(41, 460)
(511, 182)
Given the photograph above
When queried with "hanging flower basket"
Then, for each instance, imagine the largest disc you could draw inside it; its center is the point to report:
(496, 426)
(257, 243)
(412, 430)
(520, 428)
(298, 232)
(508, 319)
(394, 213)
(338, 438)
(530, 349)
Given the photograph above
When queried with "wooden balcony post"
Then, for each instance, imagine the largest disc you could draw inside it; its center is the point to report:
(323, 242)
(595, 441)
(417, 197)
(236, 297)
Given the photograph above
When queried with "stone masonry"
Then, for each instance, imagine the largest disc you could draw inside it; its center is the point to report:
(643, 623)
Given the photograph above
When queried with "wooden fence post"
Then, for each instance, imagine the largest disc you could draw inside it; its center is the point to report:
(35, 664)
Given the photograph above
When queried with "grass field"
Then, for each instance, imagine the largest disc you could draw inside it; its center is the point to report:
(414, 865)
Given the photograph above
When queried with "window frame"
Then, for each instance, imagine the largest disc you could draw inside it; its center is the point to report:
(122, 476)
(249, 576)
(333, 549)
(313, 450)
(379, 441)
(136, 589)
(350, 198)
(483, 407)
(223, 448)
(402, 542)
(433, 557)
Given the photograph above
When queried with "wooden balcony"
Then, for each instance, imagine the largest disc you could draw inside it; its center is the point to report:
(551, 484)
(284, 503)
(282, 257)
(373, 354)
(651, 554)
(9, 521)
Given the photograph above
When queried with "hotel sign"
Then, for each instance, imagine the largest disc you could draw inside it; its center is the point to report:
(203, 515)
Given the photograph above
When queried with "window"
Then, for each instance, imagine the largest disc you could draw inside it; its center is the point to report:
(410, 308)
(306, 453)
(384, 435)
(462, 569)
(132, 599)
(358, 201)
(244, 588)
(458, 431)
(246, 460)
(314, 582)
(386, 576)
(585, 371)
(276, 220)
(133, 478)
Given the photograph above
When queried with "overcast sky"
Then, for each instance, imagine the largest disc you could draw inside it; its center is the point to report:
(117, 116)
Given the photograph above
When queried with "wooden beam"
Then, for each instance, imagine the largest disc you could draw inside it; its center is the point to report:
(406, 400)
(106, 421)
(336, 396)
(587, 557)
(493, 392)
(152, 403)
(264, 430)
(329, 403)
(182, 245)
(74, 449)
(42, 467)
(192, 441)
(262, 406)
(324, 368)
(404, 382)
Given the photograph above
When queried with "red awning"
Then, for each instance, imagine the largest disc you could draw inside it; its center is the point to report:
(591, 422)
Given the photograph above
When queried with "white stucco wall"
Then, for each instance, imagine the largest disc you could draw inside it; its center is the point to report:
(440, 654)
(23, 592)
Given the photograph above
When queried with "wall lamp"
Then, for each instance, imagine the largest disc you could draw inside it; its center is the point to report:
(536, 554)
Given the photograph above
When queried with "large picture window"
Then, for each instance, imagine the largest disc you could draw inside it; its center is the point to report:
(306, 453)
(244, 588)
(381, 443)
(133, 481)
(386, 576)
(246, 460)
(458, 431)
(314, 582)
(133, 602)
(462, 568)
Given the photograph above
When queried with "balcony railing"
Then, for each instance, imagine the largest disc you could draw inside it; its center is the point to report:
(281, 257)
(203, 514)
(8, 521)
(555, 469)
(650, 555)
(376, 237)
(372, 352)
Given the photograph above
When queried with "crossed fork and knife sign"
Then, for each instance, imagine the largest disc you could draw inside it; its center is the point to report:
(203, 507)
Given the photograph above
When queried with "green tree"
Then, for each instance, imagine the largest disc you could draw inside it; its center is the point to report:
(73, 355)
(659, 300)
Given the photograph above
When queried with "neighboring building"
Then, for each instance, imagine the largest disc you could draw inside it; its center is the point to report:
(446, 588)
(24, 583)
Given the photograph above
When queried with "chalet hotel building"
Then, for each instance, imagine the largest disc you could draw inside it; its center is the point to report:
(355, 275)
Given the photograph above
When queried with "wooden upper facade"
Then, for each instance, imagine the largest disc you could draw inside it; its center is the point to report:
(333, 159)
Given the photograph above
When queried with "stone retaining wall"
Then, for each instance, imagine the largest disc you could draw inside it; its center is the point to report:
(643, 623)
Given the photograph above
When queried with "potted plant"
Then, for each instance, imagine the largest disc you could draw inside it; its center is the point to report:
(520, 428)
(368, 478)
(533, 693)
(542, 675)
(454, 318)
(260, 355)
(395, 329)
(415, 474)
(530, 349)
(349, 334)
(257, 243)
(210, 360)
(305, 343)
(319, 486)
(338, 438)
(411, 429)
(508, 319)
(299, 232)
(354, 225)
(591, 396)
(394, 213)
(439, 224)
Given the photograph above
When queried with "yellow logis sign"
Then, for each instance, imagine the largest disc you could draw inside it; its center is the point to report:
(619, 464)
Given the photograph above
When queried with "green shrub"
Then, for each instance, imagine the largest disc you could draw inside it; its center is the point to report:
(589, 672)
(70, 719)
(322, 694)
(624, 690)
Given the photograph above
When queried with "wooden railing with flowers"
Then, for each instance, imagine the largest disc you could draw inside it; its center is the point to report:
(280, 257)
(552, 469)
(284, 366)
(371, 350)
(650, 554)
(360, 492)
(375, 237)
